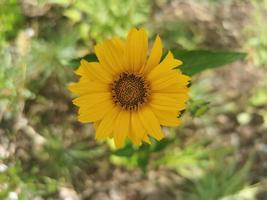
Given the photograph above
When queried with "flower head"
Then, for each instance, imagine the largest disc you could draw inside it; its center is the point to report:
(130, 94)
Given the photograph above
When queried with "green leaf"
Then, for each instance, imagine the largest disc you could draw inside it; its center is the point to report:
(126, 151)
(198, 107)
(196, 61)
(160, 145)
(73, 14)
(143, 160)
(76, 62)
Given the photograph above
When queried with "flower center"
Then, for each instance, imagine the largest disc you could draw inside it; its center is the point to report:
(130, 91)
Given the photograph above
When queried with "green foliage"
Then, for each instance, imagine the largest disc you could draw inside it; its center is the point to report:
(247, 193)
(191, 159)
(223, 179)
(259, 98)
(25, 183)
(196, 61)
(48, 57)
(198, 107)
(12, 82)
(178, 33)
(256, 34)
(169, 152)
(10, 19)
(100, 19)
(22, 76)
(132, 156)
(70, 158)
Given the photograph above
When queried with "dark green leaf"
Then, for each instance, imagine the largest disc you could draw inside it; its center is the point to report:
(126, 151)
(143, 158)
(158, 146)
(196, 61)
(198, 107)
(90, 57)
(76, 62)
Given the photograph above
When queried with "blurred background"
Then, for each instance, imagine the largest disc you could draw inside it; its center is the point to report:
(220, 151)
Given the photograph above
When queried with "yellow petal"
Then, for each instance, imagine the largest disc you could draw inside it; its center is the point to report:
(166, 65)
(171, 102)
(111, 55)
(146, 139)
(92, 99)
(93, 113)
(105, 127)
(94, 71)
(170, 79)
(86, 86)
(121, 128)
(154, 57)
(173, 88)
(167, 118)
(96, 124)
(150, 123)
(137, 129)
(83, 68)
(136, 49)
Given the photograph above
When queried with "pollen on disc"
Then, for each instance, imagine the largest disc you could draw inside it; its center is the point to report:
(130, 91)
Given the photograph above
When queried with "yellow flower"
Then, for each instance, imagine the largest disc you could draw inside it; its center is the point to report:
(126, 94)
